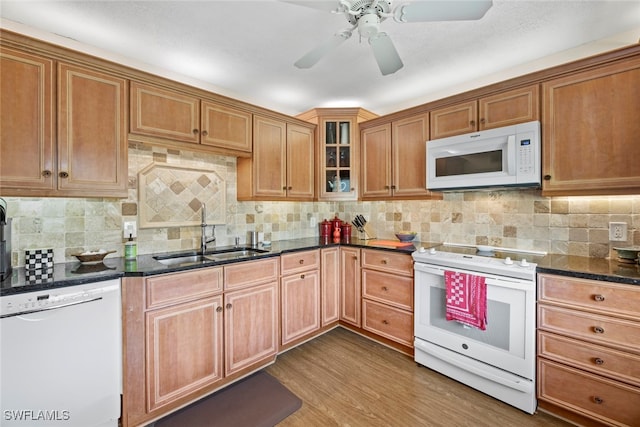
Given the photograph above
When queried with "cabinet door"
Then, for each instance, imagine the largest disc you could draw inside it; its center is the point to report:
(509, 108)
(590, 132)
(376, 162)
(184, 350)
(300, 171)
(251, 326)
(300, 295)
(330, 285)
(454, 120)
(337, 161)
(164, 113)
(225, 127)
(269, 158)
(27, 122)
(409, 153)
(350, 285)
(92, 132)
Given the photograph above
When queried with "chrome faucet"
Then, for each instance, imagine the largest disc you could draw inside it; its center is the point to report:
(203, 237)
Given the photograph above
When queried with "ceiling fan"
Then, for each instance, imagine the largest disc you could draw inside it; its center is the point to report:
(366, 16)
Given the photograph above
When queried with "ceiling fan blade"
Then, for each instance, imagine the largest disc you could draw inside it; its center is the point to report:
(385, 53)
(326, 5)
(314, 55)
(442, 10)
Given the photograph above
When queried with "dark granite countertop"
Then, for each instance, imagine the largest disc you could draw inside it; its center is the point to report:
(76, 273)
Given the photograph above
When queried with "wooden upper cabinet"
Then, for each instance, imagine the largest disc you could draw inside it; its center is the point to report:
(164, 113)
(503, 109)
(590, 132)
(92, 132)
(171, 115)
(27, 122)
(281, 166)
(226, 127)
(394, 160)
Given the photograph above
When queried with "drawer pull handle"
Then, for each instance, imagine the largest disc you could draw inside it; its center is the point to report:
(598, 297)
(386, 322)
(228, 306)
(598, 400)
(598, 330)
(598, 361)
(384, 288)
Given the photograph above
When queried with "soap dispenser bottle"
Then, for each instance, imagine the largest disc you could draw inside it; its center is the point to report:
(130, 249)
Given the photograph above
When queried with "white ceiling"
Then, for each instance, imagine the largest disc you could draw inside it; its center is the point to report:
(246, 49)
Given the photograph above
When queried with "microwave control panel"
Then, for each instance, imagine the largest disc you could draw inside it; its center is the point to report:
(528, 156)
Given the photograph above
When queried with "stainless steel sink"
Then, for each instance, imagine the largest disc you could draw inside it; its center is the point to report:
(221, 254)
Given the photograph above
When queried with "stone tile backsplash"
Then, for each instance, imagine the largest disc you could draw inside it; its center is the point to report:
(517, 218)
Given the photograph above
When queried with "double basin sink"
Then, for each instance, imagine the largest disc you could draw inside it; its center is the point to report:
(223, 254)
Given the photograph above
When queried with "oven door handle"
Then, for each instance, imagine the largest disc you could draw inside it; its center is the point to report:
(520, 385)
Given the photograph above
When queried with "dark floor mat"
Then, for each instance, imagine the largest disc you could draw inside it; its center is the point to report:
(256, 401)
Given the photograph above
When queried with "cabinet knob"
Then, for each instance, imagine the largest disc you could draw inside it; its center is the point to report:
(598, 297)
(598, 330)
(301, 261)
(384, 288)
(384, 261)
(284, 188)
(63, 174)
(472, 122)
(598, 400)
(195, 131)
(219, 308)
(302, 276)
(46, 173)
(482, 120)
(228, 306)
(386, 187)
(290, 188)
(386, 322)
(598, 361)
(547, 177)
(205, 133)
(355, 258)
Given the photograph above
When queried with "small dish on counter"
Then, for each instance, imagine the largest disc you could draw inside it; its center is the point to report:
(406, 236)
(92, 256)
(628, 255)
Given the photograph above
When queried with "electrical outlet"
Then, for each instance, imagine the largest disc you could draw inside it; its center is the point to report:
(617, 231)
(129, 229)
(313, 222)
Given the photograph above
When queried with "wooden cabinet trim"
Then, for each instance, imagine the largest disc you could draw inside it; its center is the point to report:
(250, 273)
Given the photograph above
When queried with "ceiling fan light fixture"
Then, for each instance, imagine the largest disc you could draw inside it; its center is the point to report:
(368, 25)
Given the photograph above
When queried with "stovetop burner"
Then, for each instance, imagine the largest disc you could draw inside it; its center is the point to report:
(500, 261)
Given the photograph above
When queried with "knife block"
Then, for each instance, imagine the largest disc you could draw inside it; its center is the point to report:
(368, 232)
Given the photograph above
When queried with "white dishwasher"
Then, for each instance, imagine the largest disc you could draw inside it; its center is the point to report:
(61, 356)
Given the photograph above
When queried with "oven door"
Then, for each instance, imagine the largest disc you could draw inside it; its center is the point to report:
(508, 342)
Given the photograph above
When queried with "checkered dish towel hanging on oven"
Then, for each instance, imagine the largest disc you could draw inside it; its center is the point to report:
(466, 299)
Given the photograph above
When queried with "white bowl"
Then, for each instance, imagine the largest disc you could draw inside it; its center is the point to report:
(484, 248)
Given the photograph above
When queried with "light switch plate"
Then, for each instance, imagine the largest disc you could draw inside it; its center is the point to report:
(617, 231)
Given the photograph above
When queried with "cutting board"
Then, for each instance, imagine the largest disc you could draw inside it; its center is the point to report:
(393, 243)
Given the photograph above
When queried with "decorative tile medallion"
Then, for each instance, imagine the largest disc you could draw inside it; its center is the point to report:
(171, 195)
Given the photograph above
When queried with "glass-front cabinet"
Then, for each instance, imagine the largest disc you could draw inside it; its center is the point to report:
(338, 150)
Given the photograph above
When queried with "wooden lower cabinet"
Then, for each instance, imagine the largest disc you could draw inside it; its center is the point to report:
(188, 334)
(350, 286)
(300, 295)
(589, 350)
(387, 295)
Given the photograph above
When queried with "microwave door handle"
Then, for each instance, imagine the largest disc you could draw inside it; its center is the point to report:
(511, 155)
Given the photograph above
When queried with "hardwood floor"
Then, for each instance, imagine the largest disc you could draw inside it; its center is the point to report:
(344, 379)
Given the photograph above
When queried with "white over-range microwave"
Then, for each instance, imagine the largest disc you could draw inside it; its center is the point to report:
(495, 158)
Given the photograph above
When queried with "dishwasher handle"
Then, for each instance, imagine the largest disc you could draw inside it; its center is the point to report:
(38, 310)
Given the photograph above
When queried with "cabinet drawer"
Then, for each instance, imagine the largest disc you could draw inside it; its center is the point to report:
(607, 401)
(605, 297)
(299, 261)
(398, 263)
(388, 288)
(605, 330)
(389, 322)
(250, 273)
(597, 359)
(179, 287)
